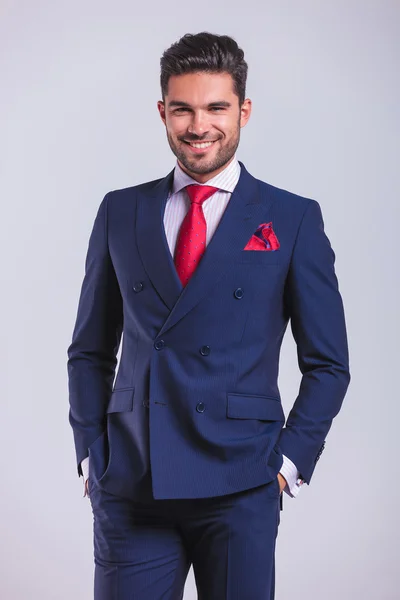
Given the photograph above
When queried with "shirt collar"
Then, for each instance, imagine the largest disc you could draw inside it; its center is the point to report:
(226, 180)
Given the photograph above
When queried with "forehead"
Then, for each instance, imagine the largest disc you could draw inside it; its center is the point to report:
(200, 88)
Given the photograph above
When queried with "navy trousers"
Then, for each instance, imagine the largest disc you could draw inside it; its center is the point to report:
(143, 550)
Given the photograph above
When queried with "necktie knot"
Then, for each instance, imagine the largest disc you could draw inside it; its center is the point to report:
(199, 193)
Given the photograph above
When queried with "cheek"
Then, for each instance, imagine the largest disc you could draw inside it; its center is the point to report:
(226, 128)
(173, 127)
(178, 126)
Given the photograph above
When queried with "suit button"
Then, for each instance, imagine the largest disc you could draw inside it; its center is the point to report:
(200, 407)
(238, 293)
(146, 404)
(205, 350)
(159, 344)
(138, 286)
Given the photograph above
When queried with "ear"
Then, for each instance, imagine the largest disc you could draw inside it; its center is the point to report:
(245, 112)
(161, 110)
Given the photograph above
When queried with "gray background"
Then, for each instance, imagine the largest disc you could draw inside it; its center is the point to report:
(80, 82)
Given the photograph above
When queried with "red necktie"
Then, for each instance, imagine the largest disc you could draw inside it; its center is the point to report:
(191, 242)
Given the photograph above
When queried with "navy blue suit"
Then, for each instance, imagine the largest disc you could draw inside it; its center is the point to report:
(195, 410)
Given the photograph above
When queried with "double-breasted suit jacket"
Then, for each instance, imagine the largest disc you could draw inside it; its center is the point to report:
(195, 403)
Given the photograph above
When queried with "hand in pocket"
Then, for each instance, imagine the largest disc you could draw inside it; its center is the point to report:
(282, 482)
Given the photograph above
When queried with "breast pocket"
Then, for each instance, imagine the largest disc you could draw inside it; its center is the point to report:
(264, 257)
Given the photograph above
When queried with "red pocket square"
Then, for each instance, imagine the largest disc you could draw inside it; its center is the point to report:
(264, 238)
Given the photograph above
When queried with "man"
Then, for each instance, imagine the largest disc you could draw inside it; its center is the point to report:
(201, 270)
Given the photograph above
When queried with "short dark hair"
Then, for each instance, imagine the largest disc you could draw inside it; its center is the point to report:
(205, 52)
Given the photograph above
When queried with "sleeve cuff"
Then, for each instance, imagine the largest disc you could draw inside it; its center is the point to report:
(292, 476)
(85, 468)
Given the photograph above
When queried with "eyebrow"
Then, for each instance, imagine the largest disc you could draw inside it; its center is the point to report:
(210, 105)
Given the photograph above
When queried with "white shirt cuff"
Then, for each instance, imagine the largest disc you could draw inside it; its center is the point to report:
(85, 468)
(292, 476)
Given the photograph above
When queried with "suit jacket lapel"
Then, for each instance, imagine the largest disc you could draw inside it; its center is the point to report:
(152, 242)
(240, 219)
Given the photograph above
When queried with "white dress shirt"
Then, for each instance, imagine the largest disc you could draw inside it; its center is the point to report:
(177, 206)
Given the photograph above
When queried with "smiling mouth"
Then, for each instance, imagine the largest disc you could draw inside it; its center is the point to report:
(200, 145)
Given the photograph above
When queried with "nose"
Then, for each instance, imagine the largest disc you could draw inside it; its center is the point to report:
(199, 124)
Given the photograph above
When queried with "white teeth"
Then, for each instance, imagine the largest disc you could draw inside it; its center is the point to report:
(203, 145)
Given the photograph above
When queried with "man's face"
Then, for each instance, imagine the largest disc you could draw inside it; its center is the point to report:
(202, 107)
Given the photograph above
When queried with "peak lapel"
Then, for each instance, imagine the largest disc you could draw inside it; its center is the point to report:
(152, 242)
(238, 222)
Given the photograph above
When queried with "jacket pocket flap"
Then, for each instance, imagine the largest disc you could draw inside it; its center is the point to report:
(121, 400)
(267, 408)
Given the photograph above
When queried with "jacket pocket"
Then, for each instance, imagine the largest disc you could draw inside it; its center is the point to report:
(265, 408)
(121, 400)
(263, 257)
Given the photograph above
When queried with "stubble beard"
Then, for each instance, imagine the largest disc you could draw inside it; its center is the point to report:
(200, 165)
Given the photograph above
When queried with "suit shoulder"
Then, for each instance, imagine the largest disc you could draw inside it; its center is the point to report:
(145, 187)
(122, 201)
(286, 198)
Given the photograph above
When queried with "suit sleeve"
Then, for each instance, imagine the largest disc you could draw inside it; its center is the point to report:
(317, 319)
(92, 354)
